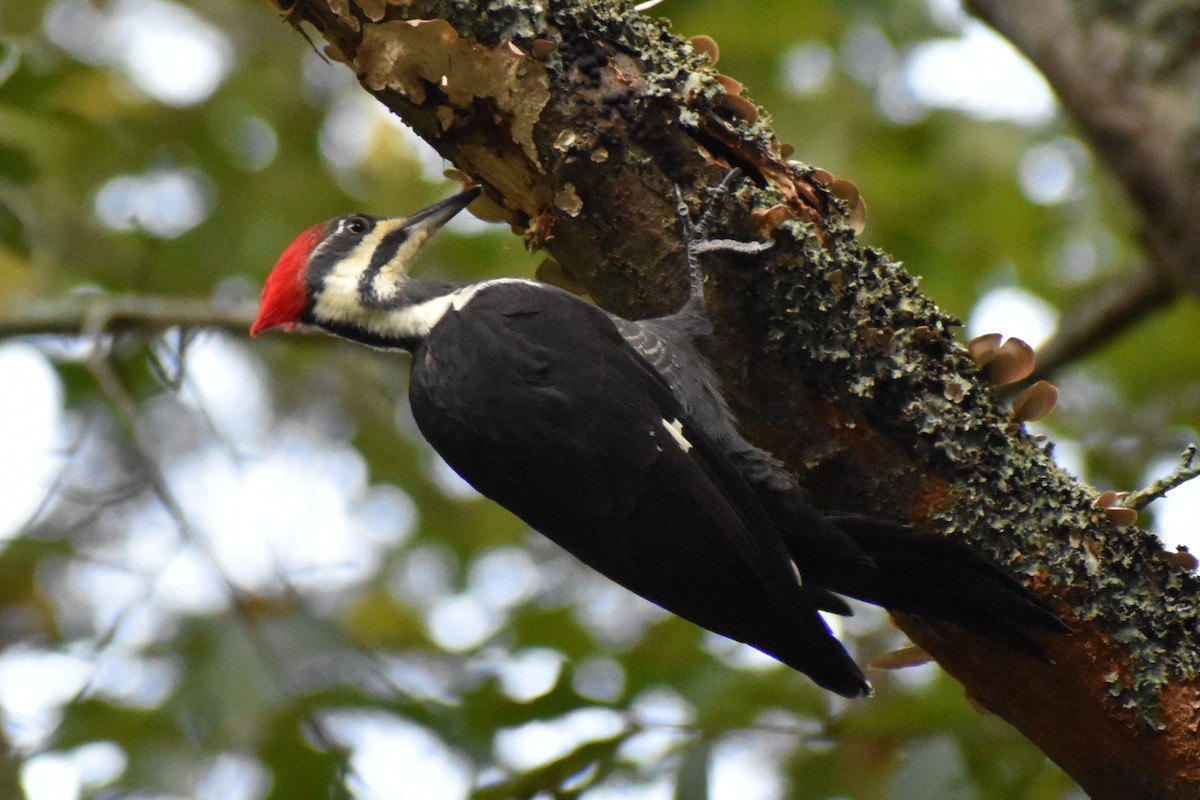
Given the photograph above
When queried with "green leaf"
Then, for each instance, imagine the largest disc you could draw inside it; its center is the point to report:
(298, 768)
(550, 777)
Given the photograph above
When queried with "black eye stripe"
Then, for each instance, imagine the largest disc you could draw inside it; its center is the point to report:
(385, 251)
(334, 248)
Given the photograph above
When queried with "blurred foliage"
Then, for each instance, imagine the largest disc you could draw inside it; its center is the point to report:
(270, 673)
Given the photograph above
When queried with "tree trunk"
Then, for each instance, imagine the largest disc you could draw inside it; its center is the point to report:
(579, 118)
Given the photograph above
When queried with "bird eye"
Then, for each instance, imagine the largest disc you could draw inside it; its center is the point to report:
(357, 226)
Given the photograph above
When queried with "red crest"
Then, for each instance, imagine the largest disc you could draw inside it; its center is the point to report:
(285, 294)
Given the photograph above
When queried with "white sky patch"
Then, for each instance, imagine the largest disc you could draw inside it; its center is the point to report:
(529, 674)
(393, 758)
(661, 712)
(806, 68)
(252, 142)
(1068, 454)
(980, 74)
(167, 51)
(106, 596)
(234, 776)
(135, 681)
(30, 419)
(420, 678)
(1052, 172)
(870, 58)
(449, 481)
(916, 676)
(503, 577)
(599, 679)
(662, 788)
(460, 623)
(737, 654)
(868, 55)
(1013, 311)
(432, 164)
(226, 382)
(302, 509)
(166, 203)
(425, 575)
(358, 123)
(346, 134)
(1175, 514)
(535, 743)
(746, 767)
(948, 14)
(66, 775)
(615, 615)
(33, 686)
(325, 79)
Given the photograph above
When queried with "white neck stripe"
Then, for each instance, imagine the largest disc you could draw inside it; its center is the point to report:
(467, 293)
(412, 321)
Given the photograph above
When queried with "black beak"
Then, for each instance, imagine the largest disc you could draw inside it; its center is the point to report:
(430, 219)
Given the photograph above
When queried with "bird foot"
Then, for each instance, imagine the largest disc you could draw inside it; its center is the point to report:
(695, 238)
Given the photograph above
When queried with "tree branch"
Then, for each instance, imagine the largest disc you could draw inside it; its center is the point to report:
(1126, 73)
(579, 118)
(84, 315)
(1186, 470)
(1095, 322)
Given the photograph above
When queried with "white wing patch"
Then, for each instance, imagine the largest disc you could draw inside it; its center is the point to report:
(675, 428)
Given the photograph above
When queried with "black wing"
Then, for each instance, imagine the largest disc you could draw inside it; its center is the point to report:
(876, 560)
(534, 398)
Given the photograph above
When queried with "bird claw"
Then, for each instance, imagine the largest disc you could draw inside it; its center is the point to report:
(695, 240)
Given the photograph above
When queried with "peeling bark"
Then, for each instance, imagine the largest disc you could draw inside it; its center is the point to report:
(578, 119)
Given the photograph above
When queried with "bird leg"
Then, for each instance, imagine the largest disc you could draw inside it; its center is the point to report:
(695, 234)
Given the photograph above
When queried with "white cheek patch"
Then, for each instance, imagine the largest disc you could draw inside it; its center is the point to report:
(338, 300)
(675, 428)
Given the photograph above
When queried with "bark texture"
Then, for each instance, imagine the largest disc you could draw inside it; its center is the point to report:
(579, 118)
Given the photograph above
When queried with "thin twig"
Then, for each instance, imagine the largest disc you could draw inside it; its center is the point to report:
(1184, 472)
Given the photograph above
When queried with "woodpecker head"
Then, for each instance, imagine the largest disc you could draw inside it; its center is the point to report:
(350, 274)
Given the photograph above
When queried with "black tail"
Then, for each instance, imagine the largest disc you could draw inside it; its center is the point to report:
(942, 579)
(892, 565)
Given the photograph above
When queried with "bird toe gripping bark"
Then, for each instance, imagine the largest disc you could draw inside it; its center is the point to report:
(695, 234)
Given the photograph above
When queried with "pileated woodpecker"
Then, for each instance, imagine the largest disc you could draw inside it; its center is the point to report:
(611, 438)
